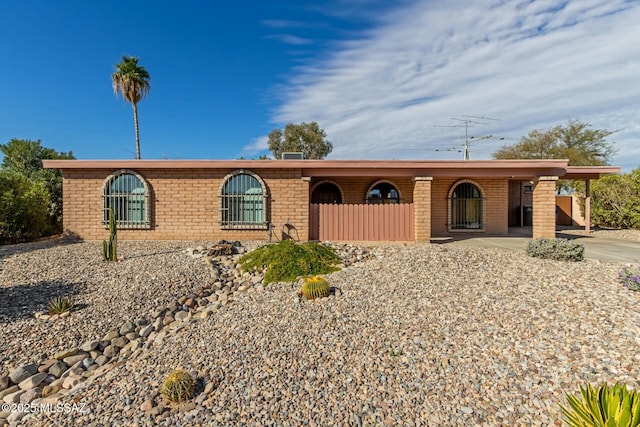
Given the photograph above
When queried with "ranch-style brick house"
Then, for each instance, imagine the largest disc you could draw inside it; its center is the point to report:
(407, 200)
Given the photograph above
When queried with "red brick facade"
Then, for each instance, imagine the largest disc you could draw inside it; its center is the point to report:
(184, 196)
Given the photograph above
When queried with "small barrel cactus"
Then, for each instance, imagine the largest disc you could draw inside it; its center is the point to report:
(178, 386)
(315, 287)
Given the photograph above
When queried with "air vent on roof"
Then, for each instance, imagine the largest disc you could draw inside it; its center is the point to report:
(292, 156)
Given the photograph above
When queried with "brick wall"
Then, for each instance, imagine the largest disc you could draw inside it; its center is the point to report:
(496, 204)
(422, 206)
(184, 204)
(544, 207)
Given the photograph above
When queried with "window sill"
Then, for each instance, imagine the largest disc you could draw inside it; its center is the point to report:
(129, 226)
(244, 226)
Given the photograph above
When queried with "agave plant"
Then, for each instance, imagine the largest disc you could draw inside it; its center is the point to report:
(178, 386)
(60, 304)
(315, 287)
(603, 407)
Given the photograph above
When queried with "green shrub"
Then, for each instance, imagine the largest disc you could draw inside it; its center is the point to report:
(24, 208)
(615, 200)
(629, 276)
(556, 249)
(60, 304)
(603, 407)
(286, 260)
(178, 386)
(315, 287)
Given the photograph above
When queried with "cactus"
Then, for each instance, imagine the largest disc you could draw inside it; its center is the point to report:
(315, 287)
(60, 304)
(110, 248)
(178, 386)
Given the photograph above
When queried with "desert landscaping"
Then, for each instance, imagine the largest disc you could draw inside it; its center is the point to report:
(415, 334)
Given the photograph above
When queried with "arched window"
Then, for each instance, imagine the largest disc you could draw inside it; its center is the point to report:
(127, 193)
(383, 192)
(326, 192)
(243, 201)
(466, 207)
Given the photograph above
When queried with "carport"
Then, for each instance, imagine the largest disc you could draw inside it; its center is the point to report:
(586, 174)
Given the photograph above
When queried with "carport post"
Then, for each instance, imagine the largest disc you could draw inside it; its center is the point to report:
(587, 206)
(422, 208)
(544, 207)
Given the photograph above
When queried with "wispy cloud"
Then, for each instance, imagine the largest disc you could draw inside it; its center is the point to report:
(532, 64)
(278, 24)
(290, 39)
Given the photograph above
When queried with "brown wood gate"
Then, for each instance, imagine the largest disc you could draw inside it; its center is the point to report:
(361, 222)
(564, 210)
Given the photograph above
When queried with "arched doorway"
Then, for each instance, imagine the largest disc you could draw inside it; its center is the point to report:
(326, 192)
(466, 207)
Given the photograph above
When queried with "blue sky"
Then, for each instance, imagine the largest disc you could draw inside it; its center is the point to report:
(384, 79)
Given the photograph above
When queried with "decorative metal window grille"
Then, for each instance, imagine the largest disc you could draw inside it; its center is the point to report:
(466, 207)
(127, 194)
(383, 193)
(243, 203)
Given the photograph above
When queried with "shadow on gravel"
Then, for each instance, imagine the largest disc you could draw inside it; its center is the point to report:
(23, 301)
(561, 235)
(125, 256)
(46, 243)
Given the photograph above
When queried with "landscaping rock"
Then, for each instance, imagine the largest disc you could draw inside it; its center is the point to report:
(48, 390)
(9, 390)
(90, 345)
(32, 381)
(119, 342)
(111, 335)
(101, 360)
(126, 328)
(146, 330)
(58, 368)
(30, 395)
(44, 366)
(13, 397)
(22, 373)
(66, 353)
(72, 360)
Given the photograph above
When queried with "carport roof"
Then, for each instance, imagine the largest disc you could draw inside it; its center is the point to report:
(521, 169)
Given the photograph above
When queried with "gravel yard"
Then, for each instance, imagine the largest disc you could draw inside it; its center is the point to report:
(421, 335)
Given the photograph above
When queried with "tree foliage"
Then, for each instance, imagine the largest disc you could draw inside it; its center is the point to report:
(25, 186)
(25, 156)
(576, 141)
(307, 138)
(615, 200)
(24, 208)
(132, 80)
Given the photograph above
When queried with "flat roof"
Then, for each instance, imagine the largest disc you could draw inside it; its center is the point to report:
(328, 168)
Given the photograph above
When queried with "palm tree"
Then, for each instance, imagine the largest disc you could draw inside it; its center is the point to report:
(133, 81)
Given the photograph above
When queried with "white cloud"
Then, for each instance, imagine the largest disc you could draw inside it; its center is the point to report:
(290, 39)
(532, 64)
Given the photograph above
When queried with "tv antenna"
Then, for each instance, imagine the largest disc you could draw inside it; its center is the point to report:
(466, 123)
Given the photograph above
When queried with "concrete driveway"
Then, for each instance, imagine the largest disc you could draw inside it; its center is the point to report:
(604, 249)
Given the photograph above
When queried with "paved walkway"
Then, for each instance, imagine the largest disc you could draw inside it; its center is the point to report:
(616, 250)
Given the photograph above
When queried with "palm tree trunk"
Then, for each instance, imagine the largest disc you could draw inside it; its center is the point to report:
(135, 124)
